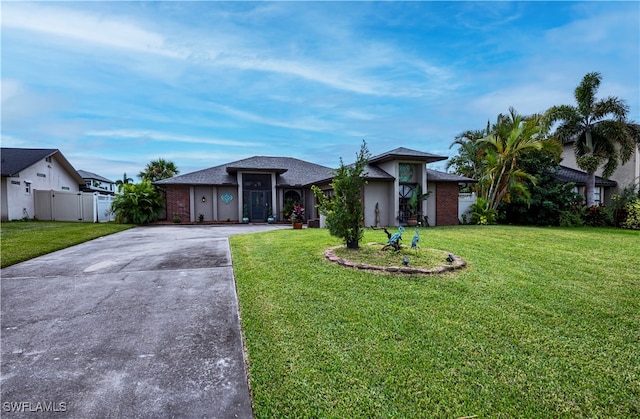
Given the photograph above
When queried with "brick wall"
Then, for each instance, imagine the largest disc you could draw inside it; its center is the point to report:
(446, 203)
(178, 203)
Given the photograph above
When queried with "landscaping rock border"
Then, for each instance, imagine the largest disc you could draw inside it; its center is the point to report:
(458, 263)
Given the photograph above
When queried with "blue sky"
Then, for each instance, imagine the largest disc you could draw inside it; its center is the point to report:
(114, 85)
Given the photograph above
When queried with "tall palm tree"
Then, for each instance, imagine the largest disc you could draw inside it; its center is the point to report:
(124, 181)
(513, 137)
(599, 130)
(158, 170)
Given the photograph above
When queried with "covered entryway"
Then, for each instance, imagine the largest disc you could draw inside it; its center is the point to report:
(256, 196)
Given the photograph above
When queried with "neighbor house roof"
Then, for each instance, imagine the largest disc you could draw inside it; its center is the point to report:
(567, 174)
(437, 176)
(93, 176)
(291, 171)
(402, 153)
(15, 160)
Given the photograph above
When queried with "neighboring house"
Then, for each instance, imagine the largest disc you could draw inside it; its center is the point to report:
(627, 174)
(97, 183)
(604, 187)
(257, 185)
(25, 170)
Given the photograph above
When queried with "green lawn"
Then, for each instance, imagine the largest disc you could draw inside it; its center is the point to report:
(23, 240)
(543, 322)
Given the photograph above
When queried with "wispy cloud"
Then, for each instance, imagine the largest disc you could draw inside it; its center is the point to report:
(147, 135)
(85, 27)
(306, 124)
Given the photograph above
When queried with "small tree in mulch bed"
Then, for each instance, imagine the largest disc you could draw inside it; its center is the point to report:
(344, 210)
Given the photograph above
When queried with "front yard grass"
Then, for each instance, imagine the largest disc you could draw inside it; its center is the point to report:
(542, 322)
(23, 240)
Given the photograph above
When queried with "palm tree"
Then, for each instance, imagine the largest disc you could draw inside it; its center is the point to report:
(601, 135)
(124, 181)
(158, 170)
(468, 162)
(513, 137)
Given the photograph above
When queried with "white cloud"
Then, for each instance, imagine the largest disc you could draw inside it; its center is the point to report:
(85, 27)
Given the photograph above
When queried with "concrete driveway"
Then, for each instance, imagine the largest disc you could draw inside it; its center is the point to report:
(143, 323)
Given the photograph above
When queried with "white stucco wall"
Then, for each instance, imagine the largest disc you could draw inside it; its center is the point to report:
(380, 193)
(625, 175)
(431, 204)
(42, 175)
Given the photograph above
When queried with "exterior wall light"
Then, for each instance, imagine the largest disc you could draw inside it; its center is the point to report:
(204, 199)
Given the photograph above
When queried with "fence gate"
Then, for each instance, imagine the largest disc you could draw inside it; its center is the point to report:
(73, 206)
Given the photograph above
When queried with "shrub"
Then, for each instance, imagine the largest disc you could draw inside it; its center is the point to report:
(482, 214)
(633, 215)
(572, 217)
(618, 211)
(596, 216)
(138, 203)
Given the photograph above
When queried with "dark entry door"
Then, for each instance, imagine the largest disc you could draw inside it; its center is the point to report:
(258, 206)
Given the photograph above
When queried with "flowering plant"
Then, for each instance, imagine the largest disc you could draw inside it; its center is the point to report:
(297, 214)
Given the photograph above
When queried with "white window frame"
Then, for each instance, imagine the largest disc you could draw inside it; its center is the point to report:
(597, 195)
(27, 187)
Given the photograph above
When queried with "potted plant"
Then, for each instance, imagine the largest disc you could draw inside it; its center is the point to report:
(297, 216)
(245, 213)
(270, 216)
(414, 204)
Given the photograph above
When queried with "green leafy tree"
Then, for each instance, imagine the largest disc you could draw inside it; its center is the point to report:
(344, 210)
(601, 135)
(512, 138)
(137, 203)
(158, 170)
(550, 200)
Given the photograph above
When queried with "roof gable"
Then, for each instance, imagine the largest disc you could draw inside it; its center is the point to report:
(402, 153)
(15, 160)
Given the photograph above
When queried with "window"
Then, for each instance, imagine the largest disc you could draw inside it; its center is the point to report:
(597, 195)
(27, 187)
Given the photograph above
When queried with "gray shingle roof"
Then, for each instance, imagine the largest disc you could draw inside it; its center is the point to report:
(291, 172)
(295, 172)
(567, 174)
(15, 160)
(402, 153)
(436, 176)
(93, 176)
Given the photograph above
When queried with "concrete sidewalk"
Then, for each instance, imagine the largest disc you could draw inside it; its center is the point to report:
(143, 323)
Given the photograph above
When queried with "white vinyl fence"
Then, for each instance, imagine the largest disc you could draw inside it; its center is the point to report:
(465, 200)
(84, 207)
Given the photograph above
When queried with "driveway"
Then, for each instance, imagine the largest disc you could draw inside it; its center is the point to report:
(142, 323)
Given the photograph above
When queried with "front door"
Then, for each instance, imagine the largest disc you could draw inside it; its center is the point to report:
(258, 207)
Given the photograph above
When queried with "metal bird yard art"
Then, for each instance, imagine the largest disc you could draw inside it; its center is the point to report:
(415, 240)
(394, 240)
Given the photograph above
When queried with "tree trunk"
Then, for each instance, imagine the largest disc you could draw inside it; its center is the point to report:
(589, 189)
(352, 244)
